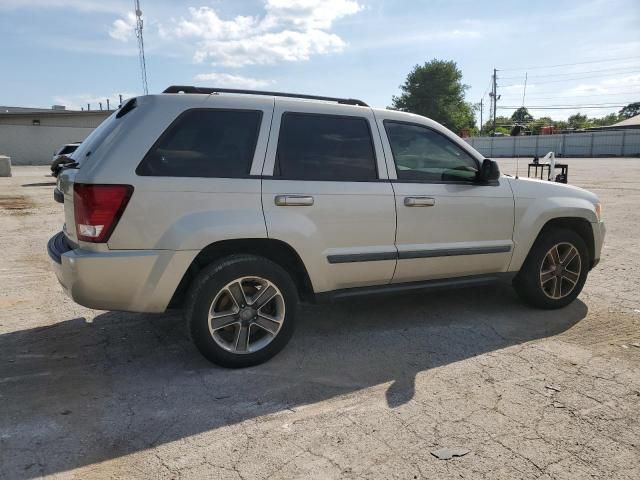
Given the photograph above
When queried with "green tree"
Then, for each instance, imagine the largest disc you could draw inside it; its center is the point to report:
(522, 115)
(538, 123)
(630, 110)
(435, 90)
(604, 121)
(578, 120)
(503, 125)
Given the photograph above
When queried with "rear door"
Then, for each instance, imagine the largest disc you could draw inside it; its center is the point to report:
(325, 192)
(449, 225)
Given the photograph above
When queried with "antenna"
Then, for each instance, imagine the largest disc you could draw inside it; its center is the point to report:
(143, 63)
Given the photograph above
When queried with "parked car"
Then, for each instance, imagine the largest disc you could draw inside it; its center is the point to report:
(62, 157)
(235, 206)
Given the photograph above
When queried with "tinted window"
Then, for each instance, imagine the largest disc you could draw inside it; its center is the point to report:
(325, 147)
(205, 143)
(423, 154)
(67, 149)
(109, 127)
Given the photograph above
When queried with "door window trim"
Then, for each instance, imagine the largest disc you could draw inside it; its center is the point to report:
(452, 182)
(333, 115)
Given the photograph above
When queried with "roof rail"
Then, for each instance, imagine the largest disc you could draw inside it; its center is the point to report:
(209, 91)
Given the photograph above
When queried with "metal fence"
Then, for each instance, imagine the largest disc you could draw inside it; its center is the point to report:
(613, 143)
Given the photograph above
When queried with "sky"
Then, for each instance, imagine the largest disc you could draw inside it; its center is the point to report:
(574, 53)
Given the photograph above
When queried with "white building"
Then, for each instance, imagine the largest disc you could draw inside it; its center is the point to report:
(30, 136)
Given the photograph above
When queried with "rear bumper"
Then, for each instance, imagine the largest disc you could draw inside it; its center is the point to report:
(130, 280)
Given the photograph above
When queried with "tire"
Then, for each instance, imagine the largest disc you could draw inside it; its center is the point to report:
(255, 330)
(538, 281)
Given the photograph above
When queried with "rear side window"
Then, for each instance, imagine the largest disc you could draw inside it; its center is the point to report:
(205, 143)
(325, 147)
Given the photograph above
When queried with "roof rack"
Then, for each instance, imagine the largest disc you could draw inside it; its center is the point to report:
(209, 91)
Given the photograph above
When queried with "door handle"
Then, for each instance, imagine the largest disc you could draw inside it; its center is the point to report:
(294, 200)
(419, 201)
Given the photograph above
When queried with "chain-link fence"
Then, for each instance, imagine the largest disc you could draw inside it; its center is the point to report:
(612, 143)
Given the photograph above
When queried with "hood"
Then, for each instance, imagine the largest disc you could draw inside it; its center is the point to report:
(533, 188)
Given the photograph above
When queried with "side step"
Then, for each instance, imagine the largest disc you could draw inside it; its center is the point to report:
(409, 287)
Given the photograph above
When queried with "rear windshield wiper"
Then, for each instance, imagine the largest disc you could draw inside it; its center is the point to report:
(56, 168)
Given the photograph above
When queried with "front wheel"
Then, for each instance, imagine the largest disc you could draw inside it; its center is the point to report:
(555, 270)
(241, 310)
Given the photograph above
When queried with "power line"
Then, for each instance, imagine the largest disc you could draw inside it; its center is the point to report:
(572, 107)
(636, 92)
(569, 79)
(569, 64)
(610, 70)
(578, 104)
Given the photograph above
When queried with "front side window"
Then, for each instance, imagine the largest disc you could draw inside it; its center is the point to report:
(421, 154)
(205, 143)
(325, 147)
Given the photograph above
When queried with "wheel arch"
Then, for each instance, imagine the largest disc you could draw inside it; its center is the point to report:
(275, 250)
(579, 225)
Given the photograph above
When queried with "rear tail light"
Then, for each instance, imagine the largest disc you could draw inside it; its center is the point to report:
(97, 209)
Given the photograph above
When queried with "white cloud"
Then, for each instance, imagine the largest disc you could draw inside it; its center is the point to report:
(616, 84)
(111, 6)
(291, 30)
(269, 48)
(123, 29)
(309, 14)
(79, 101)
(231, 81)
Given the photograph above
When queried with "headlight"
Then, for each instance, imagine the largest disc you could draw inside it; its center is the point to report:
(599, 211)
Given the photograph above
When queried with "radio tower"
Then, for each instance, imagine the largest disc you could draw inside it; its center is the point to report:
(143, 63)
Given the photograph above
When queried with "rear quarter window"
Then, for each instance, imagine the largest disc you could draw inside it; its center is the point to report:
(205, 143)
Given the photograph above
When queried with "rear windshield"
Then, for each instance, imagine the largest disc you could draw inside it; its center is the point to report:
(88, 147)
(67, 149)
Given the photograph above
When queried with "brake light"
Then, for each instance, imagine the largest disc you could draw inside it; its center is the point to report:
(97, 209)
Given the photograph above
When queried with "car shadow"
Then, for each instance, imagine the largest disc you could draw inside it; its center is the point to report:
(39, 184)
(76, 393)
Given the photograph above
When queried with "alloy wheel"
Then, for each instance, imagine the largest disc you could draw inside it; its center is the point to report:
(560, 270)
(246, 315)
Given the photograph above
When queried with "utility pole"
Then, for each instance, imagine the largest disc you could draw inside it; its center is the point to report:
(481, 114)
(108, 106)
(141, 59)
(495, 98)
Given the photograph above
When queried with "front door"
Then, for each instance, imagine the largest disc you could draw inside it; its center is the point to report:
(325, 192)
(449, 225)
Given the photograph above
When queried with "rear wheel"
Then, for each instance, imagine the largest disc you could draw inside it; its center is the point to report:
(241, 310)
(555, 270)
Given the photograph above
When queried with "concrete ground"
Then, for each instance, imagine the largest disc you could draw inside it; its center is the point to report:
(366, 389)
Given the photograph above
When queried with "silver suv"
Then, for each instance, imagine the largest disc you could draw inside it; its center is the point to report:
(236, 205)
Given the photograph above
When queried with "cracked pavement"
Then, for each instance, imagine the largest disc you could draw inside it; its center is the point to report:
(366, 388)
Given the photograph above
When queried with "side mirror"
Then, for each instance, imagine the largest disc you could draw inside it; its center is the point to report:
(489, 171)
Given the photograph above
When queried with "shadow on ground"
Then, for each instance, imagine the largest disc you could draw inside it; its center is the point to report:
(76, 393)
(40, 184)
